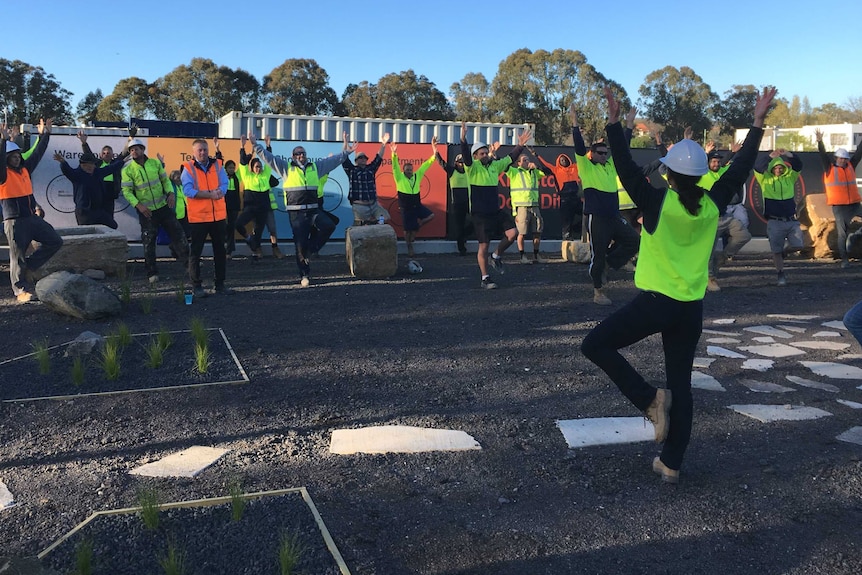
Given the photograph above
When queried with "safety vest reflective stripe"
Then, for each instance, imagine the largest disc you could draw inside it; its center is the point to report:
(840, 185)
(205, 209)
(143, 184)
(300, 186)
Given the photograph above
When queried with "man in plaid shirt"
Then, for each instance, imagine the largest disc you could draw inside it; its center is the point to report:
(363, 186)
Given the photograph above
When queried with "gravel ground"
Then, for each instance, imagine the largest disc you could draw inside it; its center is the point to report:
(435, 350)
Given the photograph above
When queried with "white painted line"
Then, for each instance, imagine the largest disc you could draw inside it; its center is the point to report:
(793, 328)
(724, 321)
(769, 330)
(703, 362)
(705, 381)
(833, 370)
(848, 403)
(792, 317)
(722, 352)
(852, 435)
(399, 439)
(764, 386)
(719, 332)
(764, 339)
(833, 345)
(187, 463)
(758, 364)
(724, 340)
(812, 384)
(768, 413)
(6, 499)
(838, 324)
(827, 334)
(773, 350)
(605, 431)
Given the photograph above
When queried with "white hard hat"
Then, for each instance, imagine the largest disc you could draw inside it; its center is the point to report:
(477, 146)
(842, 153)
(136, 142)
(13, 147)
(686, 157)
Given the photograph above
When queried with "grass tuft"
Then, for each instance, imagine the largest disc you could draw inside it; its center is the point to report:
(290, 551)
(84, 557)
(124, 334)
(174, 562)
(148, 499)
(164, 338)
(237, 501)
(203, 358)
(155, 354)
(110, 361)
(43, 356)
(199, 332)
(78, 371)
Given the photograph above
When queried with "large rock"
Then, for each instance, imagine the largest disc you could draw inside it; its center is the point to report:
(822, 233)
(372, 251)
(90, 248)
(576, 251)
(78, 296)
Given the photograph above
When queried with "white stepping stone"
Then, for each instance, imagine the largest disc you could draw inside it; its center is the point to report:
(764, 386)
(850, 356)
(768, 330)
(812, 384)
(833, 370)
(724, 321)
(793, 328)
(852, 435)
(399, 439)
(705, 381)
(792, 317)
(837, 324)
(722, 352)
(186, 463)
(6, 499)
(848, 403)
(758, 364)
(605, 431)
(723, 340)
(768, 413)
(827, 334)
(719, 332)
(703, 362)
(764, 339)
(773, 350)
(833, 345)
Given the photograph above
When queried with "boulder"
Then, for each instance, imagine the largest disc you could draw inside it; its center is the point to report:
(576, 251)
(372, 251)
(78, 296)
(84, 344)
(90, 248)
(822, 233)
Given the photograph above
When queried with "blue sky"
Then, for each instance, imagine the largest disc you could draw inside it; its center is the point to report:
(792, 45)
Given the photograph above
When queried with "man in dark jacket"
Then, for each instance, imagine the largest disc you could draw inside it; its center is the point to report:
(87, 186)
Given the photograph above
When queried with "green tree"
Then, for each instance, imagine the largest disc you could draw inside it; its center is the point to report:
(854, 107)
(203, 92)
(676, 98)
(830, 113)
(471, 97)
(408, 96)
(28, 93)
(358, 100)
(85, 112)
(299, 86)
(130, 99)
(736, 109)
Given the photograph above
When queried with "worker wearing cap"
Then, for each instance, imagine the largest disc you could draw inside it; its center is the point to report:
(408, 183)
(20, 220)
(602, 207)
(842, 193)
(362, 191)
(489, 219)
(87, 187)
(147, 189)
(678, 233)
(459, 200)
(524, 178)
(111, 183)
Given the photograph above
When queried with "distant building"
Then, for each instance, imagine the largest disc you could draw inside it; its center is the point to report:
(847, 136)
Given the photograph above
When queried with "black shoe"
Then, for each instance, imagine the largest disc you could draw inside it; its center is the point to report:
(488, 284)
(200, 292)
(497, 264)
(224, 290)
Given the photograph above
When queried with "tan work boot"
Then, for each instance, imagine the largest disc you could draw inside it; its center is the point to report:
(658, 413)
(600, 298)
(668, 475)
(712, 285)
(276, 253)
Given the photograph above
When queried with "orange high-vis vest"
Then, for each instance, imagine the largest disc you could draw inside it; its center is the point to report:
(840, 185)
(17, 184)
(201, 210)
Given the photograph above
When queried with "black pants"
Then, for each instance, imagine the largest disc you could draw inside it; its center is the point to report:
(571, 216)
(680, 325)
(603, 231)
(461, 225)
(258, 213)
(166, 218)
(230, 231)
(88, 217)
(215, 231)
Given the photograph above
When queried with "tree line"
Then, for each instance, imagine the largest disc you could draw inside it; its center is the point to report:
(529, 87)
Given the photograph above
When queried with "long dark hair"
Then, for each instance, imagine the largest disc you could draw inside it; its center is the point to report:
(686, 187)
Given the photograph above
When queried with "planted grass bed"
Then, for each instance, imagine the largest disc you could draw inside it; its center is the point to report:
(276, 532)
(125, 364)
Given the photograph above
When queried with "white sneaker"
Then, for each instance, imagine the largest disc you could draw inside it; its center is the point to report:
(153, 279)
(525, 259)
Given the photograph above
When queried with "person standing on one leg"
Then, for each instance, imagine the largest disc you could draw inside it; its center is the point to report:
(459, 201)
(232, 205)
(568, 187)
(204, 185)
(409, 183)
(777, 174)
(678, 234)
(842, 193)
(23, 220)
(489, 219)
